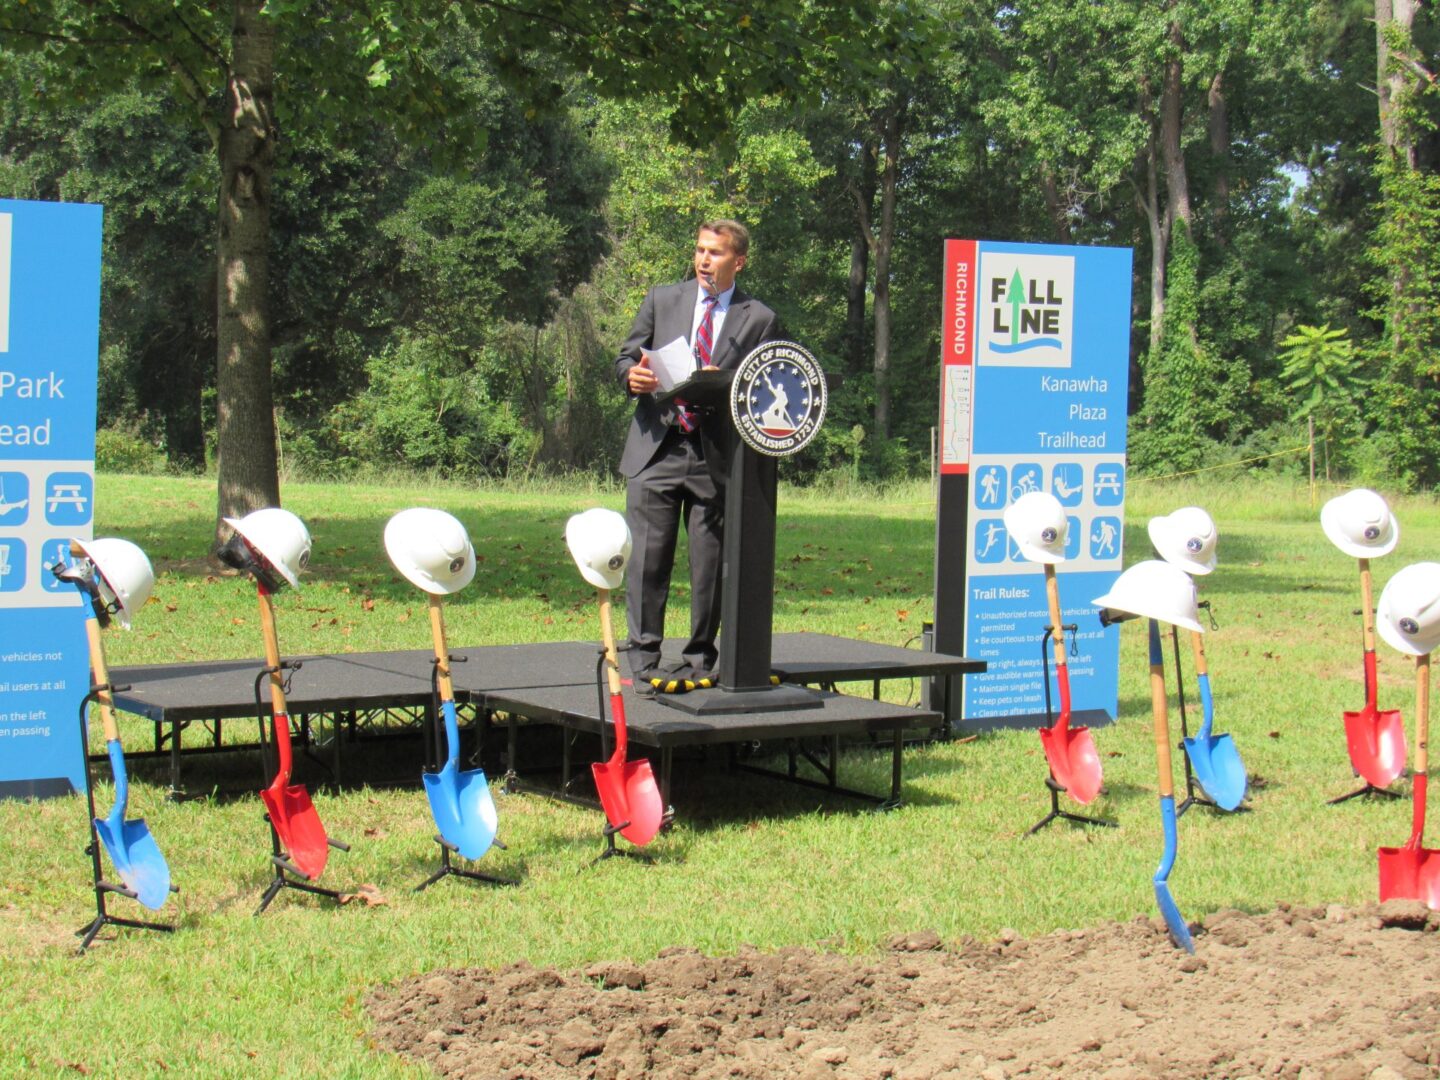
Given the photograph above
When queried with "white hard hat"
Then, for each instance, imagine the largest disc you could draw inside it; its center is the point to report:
(1186, 538)
(1408, 617)
(123, 574)
(1360, 524)
(1036, 522)
(278, 537)
(431, 548)
(1154, 590)
(599, 542)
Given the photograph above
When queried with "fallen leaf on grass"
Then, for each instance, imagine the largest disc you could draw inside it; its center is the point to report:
(238, 621)
(367, 894)
(1274, 734)
(367, 604)
(403, 617)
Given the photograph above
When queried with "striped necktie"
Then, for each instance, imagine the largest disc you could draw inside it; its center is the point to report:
(704, 349)
(705, 332)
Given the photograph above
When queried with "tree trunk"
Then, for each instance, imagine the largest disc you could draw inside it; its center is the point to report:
(1390, 78)
(245, 434)
(859, 266)
(1177, 182)
(1219, 130)
(1147, 195)
(894, 133)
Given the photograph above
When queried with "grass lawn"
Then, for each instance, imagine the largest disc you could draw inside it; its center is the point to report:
(749, 861)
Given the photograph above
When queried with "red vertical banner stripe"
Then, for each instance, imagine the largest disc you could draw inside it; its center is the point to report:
(957, 341)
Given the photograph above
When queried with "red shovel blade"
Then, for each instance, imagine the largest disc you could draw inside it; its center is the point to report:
(1073, 760)
(298, 824)
(628, 792)
(610, 786)
(294, 816)
(630, 798)
(1410, 873)
(642, 796)
(1376, 743)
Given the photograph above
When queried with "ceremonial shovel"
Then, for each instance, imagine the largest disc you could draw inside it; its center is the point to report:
(296, 821)
(461, 803)
(1070, 752)
(1374, 738)
(132, 849)
(628, 792)
(1214, 758)
(1179, 931)
(1412, 872)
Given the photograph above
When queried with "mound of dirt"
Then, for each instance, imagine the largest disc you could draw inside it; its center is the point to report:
(1324, 993)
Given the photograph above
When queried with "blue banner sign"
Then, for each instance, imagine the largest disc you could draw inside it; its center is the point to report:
(1033, 398)
(49, 352)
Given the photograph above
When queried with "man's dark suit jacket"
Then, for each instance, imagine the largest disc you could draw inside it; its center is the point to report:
(666, 314)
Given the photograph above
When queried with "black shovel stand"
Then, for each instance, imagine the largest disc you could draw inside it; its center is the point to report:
(103, 918)
(287, 874)
(613, 850)
(439, 752)
(1056, 789)
(1368, 790)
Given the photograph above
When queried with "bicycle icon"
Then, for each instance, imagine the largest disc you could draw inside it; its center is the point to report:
(1027, 479)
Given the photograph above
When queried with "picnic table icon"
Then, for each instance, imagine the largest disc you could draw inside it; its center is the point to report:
(1107, 482)
(65, 495)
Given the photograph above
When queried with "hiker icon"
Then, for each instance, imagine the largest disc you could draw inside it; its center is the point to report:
(68, 498)
(1068, 483)
(1027, 479)
(14, 498)
(12, 565)
(990, 541)
(992, 486)
(1109, 485)
(1104, 538)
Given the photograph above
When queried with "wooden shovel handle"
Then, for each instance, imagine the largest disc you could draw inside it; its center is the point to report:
(1197, 646)
(1367, 606)
(442, 651)
(101, 676)
(607, 631)
(1052, 598)
(272, 651)
(1158, 711)
(1422, 715)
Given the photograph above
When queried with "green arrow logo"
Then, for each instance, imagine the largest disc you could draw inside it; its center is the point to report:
(1015, 297)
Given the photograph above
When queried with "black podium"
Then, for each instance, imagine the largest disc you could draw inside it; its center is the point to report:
(747, 589)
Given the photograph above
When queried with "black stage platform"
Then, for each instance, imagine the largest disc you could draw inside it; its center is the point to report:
(548, 683)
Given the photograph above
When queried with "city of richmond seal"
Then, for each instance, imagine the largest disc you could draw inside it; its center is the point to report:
(778, 398)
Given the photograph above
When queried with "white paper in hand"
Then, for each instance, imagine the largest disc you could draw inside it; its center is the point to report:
(673, 363)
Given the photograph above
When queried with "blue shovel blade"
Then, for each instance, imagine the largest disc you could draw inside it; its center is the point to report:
(131, 848)
(460, 802)
(444, 805)
(137, 859)
(1218, 767)
(1174, 921)
(478, 816)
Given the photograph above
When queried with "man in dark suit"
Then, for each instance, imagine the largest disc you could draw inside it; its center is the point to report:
(676, 460)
